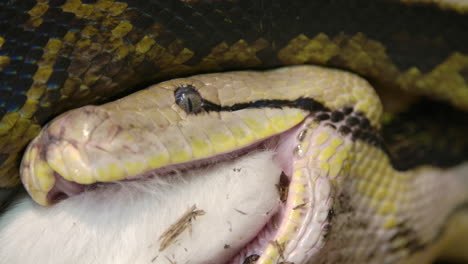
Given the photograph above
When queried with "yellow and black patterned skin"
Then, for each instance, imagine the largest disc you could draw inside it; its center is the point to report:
(60, 54)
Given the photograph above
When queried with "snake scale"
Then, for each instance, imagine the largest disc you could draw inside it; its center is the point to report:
(56, 55)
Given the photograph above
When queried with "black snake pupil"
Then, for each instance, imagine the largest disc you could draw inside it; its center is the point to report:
(189, 105)
(189, 99)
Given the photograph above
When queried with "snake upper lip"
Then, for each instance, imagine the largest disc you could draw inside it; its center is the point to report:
(65, 188)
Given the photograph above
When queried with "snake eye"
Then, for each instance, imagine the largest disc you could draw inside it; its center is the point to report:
(189, 99)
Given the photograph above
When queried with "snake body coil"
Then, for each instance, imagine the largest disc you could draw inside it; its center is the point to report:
(64, 54)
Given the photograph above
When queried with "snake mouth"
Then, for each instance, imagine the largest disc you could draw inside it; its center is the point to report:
(90, 145)
(289, 220)
(64, 188)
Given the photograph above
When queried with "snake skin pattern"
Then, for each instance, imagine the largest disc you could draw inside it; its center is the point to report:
(60, 54)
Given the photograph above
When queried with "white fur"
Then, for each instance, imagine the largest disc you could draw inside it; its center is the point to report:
(121, 223)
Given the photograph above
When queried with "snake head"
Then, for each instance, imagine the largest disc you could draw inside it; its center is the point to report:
(303, 114)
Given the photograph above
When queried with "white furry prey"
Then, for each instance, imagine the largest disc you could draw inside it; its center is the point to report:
(122, 223)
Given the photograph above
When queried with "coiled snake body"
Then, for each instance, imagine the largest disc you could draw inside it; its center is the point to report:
(379, 174)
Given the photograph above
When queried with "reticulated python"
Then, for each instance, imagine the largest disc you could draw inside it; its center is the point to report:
(63, 54)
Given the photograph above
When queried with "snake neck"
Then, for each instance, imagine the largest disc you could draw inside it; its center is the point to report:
(344, 190)
(355, 193)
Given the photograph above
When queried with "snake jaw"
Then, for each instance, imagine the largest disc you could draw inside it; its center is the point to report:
(66, 158)
(38, 189)
(41, 180)
(54, 162)
(63, 158)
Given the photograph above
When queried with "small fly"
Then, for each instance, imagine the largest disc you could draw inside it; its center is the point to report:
(184, 222)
